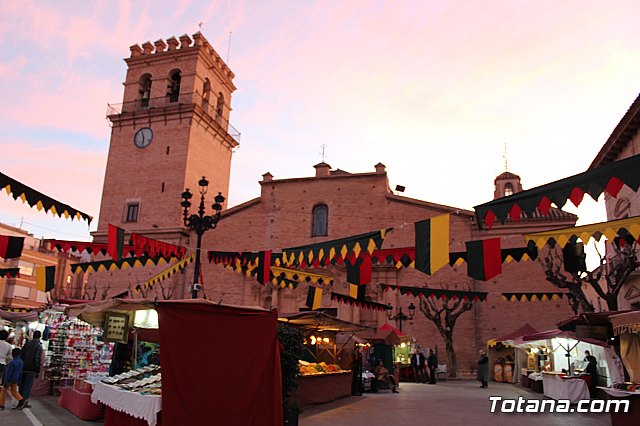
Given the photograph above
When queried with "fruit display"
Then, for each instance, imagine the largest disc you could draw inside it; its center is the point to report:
(314, 369)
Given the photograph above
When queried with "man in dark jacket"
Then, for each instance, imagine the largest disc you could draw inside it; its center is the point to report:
(31, 355)
(417, 362)
(432, 363)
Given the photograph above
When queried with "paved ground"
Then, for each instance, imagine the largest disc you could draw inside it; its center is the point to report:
(454, 402)
(457, 402)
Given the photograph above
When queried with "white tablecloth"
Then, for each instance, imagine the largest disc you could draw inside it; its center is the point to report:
(571, 389)
(618, 392)
(144, 407)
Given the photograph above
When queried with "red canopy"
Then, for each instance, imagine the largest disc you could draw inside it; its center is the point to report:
(550, 334)
(514, 335)
(392, 328)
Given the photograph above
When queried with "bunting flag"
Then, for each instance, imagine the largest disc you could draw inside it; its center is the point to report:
(432, 244)
(45, 278)
(82, 246)
(358, 292)
(628, 228)
(9, 272)
(166, 274)
(608, 178)
(531, 297)
(299, 276)
(359, 271)
(484, 259)
(39, 200)
(574, 258)
(403, 257)
(112, 265)
(314, 298)
(325, 253)
(115, 242)
(438, 294)
(11, 247)
(341, 298)
(144, 246)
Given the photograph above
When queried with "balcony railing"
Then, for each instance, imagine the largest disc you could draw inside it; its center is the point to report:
(149, 104)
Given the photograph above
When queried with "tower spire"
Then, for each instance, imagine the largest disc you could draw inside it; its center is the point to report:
(506, 159)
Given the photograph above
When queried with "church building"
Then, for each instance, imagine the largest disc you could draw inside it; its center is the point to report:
(172, 128)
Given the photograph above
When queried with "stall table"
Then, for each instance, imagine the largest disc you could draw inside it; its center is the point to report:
(77, 399)
(536, 383)
(629, 418)
(127, 408)
(321, 388)
(556, 387)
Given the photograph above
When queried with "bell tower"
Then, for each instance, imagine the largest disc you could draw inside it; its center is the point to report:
(506, 184)
(171, 129)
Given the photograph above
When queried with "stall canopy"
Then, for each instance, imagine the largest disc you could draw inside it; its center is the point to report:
(389, 335)
(627, 326)
(551, 334)
(19, 316)
(320, 321)
(515, 337)
(220, 363)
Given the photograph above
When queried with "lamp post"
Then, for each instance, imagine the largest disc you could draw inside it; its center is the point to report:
(200, 223)
(400, 316)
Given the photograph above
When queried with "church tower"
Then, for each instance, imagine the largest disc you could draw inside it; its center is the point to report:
(506, 184)
(171, 129)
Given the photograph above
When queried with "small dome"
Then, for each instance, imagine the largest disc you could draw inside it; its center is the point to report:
(507, 175)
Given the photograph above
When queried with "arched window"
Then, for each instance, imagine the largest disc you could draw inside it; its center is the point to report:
(508, 189)
(206, 94)
(145, 90)
(219, 106)
(320, 226)
(173, 89)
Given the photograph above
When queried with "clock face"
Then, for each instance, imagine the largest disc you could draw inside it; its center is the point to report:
(143, 137)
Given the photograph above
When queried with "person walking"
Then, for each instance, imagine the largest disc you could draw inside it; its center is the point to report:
(483, 369)
(11, 380)
(31, 355)
(432, 363)
(5, 353)
(592, 371)
(417, 362)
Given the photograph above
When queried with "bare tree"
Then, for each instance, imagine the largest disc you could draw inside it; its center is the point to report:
(615, 269)
(444, 313)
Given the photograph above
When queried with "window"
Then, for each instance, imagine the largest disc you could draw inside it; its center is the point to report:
(508, 189)
(173, 89)
(206, 94)
(145, 90)
(320, 221)
(26, 268)
(219, 107)
(132, 212)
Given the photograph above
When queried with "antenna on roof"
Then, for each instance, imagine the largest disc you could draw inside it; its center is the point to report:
(228, 48)
(323, 146)
(506, 160)
(200, 26)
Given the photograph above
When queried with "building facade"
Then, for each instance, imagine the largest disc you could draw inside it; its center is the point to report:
(624, 142)
(21, 292)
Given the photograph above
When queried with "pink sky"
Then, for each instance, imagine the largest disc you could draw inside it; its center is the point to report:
(433, 90)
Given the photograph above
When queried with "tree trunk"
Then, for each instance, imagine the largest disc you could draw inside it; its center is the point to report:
(451, 355)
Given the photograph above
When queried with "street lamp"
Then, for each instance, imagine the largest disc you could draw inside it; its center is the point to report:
(200, 223)
(400, 316)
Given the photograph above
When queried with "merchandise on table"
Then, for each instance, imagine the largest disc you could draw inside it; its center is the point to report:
(75, 350)
(146, 380)
(314, 369)
(627, 386)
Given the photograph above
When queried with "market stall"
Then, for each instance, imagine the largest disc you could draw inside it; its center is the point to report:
(627, 327)
(325, 373)
(176, 389)
(510, 357)
(568, 383)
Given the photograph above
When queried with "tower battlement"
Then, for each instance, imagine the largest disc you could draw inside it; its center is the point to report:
(173, 44)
